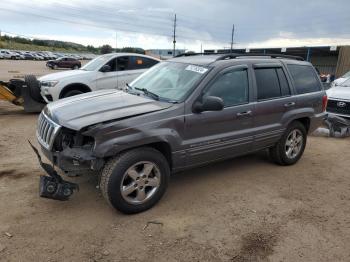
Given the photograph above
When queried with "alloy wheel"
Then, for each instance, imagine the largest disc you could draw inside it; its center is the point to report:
(294, 143)
(140, 182)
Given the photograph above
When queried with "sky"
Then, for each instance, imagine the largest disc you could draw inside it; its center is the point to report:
(149, 23)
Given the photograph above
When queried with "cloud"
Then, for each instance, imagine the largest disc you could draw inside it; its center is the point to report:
(149, 24)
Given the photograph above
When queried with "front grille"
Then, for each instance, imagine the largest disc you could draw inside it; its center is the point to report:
(338, 107)
(46, 131)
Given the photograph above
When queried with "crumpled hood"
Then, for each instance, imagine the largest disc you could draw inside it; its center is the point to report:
(100, 106)
(64, 74)
(339, 92)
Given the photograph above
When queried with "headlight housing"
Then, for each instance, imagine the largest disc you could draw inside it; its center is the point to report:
(48, 83)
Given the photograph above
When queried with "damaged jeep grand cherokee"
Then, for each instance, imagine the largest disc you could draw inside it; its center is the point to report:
(182, 113)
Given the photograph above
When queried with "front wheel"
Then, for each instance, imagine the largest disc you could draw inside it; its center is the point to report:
(291, 146)
(135, 180)
(76, 67)
(73, 92)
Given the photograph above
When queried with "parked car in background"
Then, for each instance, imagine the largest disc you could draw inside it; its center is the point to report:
(108, 71)
(9, 54)
(64, 62)
(182, 113)
(341, 79)
(20, 54)
(28, 56)
(339, 99)
(38, 56)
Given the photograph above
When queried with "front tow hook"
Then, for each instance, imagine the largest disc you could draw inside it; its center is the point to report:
(53, 186)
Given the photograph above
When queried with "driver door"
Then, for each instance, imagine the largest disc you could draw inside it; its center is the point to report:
(214, 135)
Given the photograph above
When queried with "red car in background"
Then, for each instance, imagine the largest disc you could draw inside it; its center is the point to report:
(64, 62)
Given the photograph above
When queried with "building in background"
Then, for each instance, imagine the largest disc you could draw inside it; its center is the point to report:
(164, 53)
(333, 60)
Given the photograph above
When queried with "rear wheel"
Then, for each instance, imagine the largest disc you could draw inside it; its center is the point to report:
(291, 146)
(75, 67)
(135, 180)
(54, 67)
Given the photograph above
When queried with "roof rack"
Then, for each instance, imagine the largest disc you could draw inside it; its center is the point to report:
(235, 55)
(191, 54)
(225, 56)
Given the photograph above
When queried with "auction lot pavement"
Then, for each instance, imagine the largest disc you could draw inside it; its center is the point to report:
(245, 209)
(18, 68)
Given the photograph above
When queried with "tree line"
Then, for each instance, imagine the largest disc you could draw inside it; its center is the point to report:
(104, 49)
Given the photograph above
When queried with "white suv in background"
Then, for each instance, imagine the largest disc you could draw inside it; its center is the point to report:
(341, 79)
(9, 55)
(104, 72)
(339, 99)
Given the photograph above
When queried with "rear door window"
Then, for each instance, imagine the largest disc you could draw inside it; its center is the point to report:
(267, 83)
(304, 78)
(138, 62)
(285, 90)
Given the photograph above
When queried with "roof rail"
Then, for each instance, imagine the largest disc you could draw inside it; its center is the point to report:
(191, 54)
(235, 55)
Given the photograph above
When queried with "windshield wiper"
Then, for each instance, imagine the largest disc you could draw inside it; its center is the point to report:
(147, 93)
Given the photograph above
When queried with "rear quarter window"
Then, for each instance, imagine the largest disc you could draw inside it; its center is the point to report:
(304, 78)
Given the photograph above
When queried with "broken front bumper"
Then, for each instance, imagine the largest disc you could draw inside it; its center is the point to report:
(73, 159)
(52, 185)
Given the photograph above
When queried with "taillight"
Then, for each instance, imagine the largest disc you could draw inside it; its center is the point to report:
(324, 103)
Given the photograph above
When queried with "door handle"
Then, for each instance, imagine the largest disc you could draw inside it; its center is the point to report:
(246, 113)
(289, 104)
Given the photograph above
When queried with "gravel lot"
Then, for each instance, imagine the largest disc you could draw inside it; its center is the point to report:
(245, 209)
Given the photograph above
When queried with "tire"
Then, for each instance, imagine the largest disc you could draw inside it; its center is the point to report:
(286, 152)
(54, 67)
(115, 176)
(73, 92)
(75, 67)
(34, 88)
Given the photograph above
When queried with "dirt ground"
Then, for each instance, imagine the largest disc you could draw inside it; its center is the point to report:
(19, 68)
(245, 209)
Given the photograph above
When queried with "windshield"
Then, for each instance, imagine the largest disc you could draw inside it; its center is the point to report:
(346, 83)
(346, 75)
(169, 80)
(96, 63)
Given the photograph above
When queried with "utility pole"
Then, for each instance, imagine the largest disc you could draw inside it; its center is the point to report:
(116, 42)
(174, 40)
(233, 32)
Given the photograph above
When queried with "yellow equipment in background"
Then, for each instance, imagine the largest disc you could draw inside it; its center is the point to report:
(7, 95)
(23, 93)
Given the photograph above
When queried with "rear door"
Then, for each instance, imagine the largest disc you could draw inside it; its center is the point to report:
(274, 100)
(221, 134)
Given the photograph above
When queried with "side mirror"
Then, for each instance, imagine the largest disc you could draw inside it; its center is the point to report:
(209, 103)
(106, 68)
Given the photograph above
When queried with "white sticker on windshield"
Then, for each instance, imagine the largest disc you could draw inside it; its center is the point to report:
(197, 69)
